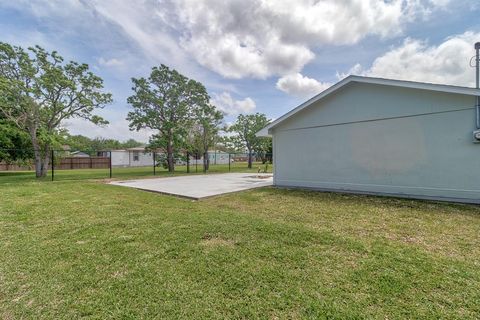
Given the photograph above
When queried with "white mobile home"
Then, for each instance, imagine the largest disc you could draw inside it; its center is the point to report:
(139, 157)
(214, 157)
(381, 136)
(131, 157)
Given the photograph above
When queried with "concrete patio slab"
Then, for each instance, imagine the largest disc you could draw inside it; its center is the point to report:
(200, 186)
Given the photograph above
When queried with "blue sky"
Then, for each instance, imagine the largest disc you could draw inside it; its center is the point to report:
(252, 55)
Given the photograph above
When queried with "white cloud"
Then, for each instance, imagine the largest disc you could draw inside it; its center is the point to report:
(113, 62)
(117, 129)
(235, 38)
(416, 60)
(299, 85)
(261, 38)
(225, 103)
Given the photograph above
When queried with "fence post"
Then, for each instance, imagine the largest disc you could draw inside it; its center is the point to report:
(205, 161)
(110, 160)
(154, 164)
(53, 164)
(188, 162)
(229, 162)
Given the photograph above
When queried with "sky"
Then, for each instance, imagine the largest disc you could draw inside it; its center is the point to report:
(263, 56)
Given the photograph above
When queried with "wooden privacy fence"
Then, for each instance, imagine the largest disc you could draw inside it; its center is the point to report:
(15, 167)
(82, 163)
(64, 164)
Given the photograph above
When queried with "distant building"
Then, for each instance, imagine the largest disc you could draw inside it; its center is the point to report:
(131, 157)
(79, 154)
(140, 157)
(214, 157)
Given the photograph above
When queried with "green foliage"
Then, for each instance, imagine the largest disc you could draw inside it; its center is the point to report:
(79, 142)
(204, 130)
(165, 102)
(227, 144)
(15, 144)
(131, 143)
(38, 91)
(246, 128)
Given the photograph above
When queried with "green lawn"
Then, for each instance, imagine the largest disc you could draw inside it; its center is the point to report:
(131, 172)
(84, 249)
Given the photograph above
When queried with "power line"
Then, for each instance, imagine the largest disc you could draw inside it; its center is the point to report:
(381, 119)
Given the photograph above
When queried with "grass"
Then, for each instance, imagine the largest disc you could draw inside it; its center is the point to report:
(83, 249)
(130, 172)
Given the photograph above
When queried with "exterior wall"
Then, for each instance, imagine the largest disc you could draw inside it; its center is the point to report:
(214, 158)
(218, 157)
(381, 139)
(144, 159)
(125, 158)
(120, 158)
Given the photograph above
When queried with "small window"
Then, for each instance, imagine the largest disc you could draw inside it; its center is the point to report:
(135, 155)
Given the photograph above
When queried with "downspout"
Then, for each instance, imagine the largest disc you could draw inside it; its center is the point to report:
(477, 83)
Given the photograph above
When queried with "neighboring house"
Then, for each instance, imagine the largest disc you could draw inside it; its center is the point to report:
(381, 136)
(79, 154)
(214, 157)
(139, 157)
(131, 157)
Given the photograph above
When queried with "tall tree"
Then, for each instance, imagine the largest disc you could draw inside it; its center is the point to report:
(15, 145)
(206, 121)
(131, 143)
(164, 102)
(246, 128)
(38, 91)
(82, 143)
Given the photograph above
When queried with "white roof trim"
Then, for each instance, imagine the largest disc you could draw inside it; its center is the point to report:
(388, 82)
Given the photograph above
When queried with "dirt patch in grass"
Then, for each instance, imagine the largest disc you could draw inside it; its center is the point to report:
(212, 241)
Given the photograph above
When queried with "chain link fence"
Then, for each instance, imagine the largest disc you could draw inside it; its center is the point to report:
(131, 163)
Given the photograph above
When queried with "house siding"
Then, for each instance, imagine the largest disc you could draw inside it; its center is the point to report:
(384, 140)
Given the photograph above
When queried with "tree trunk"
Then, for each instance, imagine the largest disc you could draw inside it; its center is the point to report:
(249, 159)
(170, 160)
(263, 156)
(39, 172)
(45, 161)
(205, 161)
(38, 163)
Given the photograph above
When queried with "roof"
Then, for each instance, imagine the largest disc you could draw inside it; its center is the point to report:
(136, 149)
(381, 81)
(79, 154)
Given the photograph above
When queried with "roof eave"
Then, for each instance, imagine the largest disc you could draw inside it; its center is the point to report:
(380, 81)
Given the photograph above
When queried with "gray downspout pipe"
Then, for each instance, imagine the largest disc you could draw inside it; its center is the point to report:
(477, 82)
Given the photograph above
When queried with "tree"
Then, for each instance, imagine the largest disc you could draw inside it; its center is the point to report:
(131, 143)
(15, 145)
(38, 92)
(205, 126)
(164, 102)
(246, 128)
(82, 143)
(100, 143)
(264, 149)
(77, 142)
